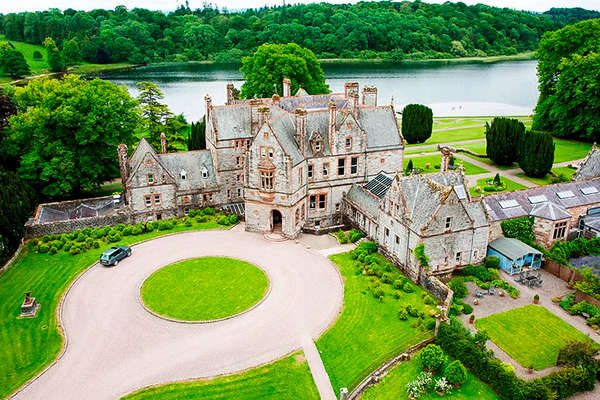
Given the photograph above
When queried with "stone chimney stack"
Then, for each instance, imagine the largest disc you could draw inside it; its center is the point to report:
(263, 116)
(208, 102)
(287, 87)
(163, 143)
(354, 104)
(446, 154)
(332, 120)
(300, 128)
(369, 97)
(124, 168)
(350, 87)
(230, 91)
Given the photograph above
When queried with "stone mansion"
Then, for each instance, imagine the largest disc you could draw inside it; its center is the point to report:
(285, 162)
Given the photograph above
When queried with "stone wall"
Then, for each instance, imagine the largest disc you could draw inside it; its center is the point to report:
(580, 296)
(436, 287)
(561, 271)
(38, 230)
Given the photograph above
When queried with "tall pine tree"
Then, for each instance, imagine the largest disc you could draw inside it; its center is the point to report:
(537, 153)
(197, 136)
(503, 137)
(417, 123)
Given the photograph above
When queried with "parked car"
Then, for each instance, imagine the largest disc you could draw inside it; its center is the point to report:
(113, 255)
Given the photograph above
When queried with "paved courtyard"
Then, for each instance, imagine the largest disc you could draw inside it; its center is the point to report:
(115, 346)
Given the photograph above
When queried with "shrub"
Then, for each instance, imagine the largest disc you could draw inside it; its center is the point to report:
(417, 123)
(537, 153)
(208, 211)
(397, 294)
(458, 287)
(502, 139)
(408, 287)
(76, 249)
(233, 219)
(201, 219)
(165, 225)
(53, 250)
(355, 235)
(467, 309)
(127, 230)
(402, 315)
(378, 293)
(368, 247)
(89, 242)
(96, 244)
(519, 228)
(192, 213)
(187, 222)
(492, 262)
(455, 372)
(398, 283)
(136, 230)
(67, 246)
(428, 300)
(480, 272)
(151, 226)
(114, 236)
(37, 55)
(388, 277)
(412, 311)
(44, 248)
(430, 324)
(432, 357)
(80, 237)
(223, 221)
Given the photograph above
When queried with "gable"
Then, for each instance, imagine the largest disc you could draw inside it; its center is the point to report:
(150, 171)
(450, 210)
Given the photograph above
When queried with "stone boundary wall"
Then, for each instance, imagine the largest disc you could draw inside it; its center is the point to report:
(580, 296)
(38, 230)
(562, 271)
(14, 256)
(412, 275)
(373, 377)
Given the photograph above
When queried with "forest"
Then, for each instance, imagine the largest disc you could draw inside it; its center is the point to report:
(387, 30)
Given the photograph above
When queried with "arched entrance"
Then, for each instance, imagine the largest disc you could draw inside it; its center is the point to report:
(276, 219)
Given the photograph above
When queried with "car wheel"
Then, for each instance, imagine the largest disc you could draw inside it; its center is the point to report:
(115, 263)
(128, 253)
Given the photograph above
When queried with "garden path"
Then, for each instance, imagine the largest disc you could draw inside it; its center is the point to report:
(551, 288)
(116, 347)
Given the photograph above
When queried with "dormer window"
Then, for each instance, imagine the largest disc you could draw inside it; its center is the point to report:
(150, 179)
(270, 153)
(183, 174)
(448, 222)
(318, 146)
(349, 143)
(204, 172)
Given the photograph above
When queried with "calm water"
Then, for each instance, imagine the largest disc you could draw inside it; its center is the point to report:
(507, 88)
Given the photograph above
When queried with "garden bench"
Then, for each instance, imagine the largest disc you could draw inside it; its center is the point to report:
(491, 290)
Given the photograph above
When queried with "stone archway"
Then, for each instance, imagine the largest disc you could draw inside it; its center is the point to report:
(276, 221)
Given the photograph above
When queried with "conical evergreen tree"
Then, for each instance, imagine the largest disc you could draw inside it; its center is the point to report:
(503, 137)
(417, 123)
(197, 136)
(537, 154)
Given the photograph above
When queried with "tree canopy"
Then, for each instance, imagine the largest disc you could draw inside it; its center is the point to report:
(536, 154)
(569, 72)
(502, 140)
(265, 70)
(197, 136)
(390, 30)
(417, 123)
(67, 131)
(12, 61)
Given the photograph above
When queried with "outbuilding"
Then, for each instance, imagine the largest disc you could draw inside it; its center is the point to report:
(514, 255)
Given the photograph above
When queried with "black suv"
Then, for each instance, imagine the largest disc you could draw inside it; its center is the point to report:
(113, 255)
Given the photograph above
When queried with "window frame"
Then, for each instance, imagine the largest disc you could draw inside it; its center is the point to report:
(325, 169)
(341, 166)
(353, 165)
(150, 179)
(349, 139)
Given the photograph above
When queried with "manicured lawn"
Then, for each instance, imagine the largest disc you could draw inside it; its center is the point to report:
(481, 183)
(206, 288)
(286, 379)
(393, 386)
(368, 332)
(480, 148)
(454, 135)
(36, 66)
(568, 150)
(435, 159)
(569, 172)
(531, 334)
(28, 345)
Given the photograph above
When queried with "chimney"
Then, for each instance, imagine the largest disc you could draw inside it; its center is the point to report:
(369, 96)
(208, 102)
(446, 153)
(300, 128)
(230, 95)
(163, 143)
(350, 87)
(287, 87)
(354, 104)
(275, 100)
(123, 167)
(263, 116)
(332, 120)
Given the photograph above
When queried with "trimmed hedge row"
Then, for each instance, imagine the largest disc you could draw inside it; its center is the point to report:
(352, 236)
(85, 239)
(579, 374)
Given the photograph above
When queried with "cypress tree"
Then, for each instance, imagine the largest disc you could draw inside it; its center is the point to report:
(410, 167)
(537, 154)
(197, 136)
(417, 123)
(503, 137)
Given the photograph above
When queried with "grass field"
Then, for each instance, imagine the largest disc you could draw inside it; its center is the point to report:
(510, 186)
(435, 159)
(36, 66)
(28, 345)
(569, 172)
(568, 150)
(393, 386)
(368, 332)
(286, 379)
(206, 288)
(531, 334)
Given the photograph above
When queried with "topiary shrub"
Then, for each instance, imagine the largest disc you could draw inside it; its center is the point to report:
(378, 293)
(53, 250)
(75, 249)
(201, 219)
(67, 246)
(408, 287)
(417, 123)
(165, 225)
(467, 309)
(127, 230)
(455, 373)
(398, 283)
(81, 237)
(192, 213)
(89, 242)
(96, 244)
(432, 357)
(233, 219)
(114, 236)
(43, 248)
(223, 220)
(402, 315)
(208, 211)
(355, 235)
(187, 222)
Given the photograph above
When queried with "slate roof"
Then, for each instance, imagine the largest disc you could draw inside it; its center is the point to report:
(232, 122)
(590, 166)
(476, 211)
(512, 249)
(192, 162)
(592, 221)
(549, 210)
(381, 126)
(140, 151)
(563, 195)
(367, 202)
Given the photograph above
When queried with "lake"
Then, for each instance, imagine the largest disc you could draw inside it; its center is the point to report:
(503, 88)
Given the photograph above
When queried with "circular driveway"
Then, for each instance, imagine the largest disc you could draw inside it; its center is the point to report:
(115, 346)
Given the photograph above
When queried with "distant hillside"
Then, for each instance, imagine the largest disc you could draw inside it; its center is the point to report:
(388, 30)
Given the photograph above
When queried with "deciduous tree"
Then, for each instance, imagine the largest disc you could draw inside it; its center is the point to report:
(55, 58)
(265, 70)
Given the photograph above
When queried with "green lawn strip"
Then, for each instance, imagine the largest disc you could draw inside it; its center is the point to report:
(434, 160)
(29, 345)
(286, 379)
(36, 66)
(453, 135)
(393, 385)
(206, 288)
(569, 150)
(368, 332)
(87, 68)
(480, 148)
(510, 186)
(432, 149)
(569, 172)
(531, 334)
(458, 122)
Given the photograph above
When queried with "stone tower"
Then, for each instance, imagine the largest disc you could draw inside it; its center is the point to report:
(124, 168)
